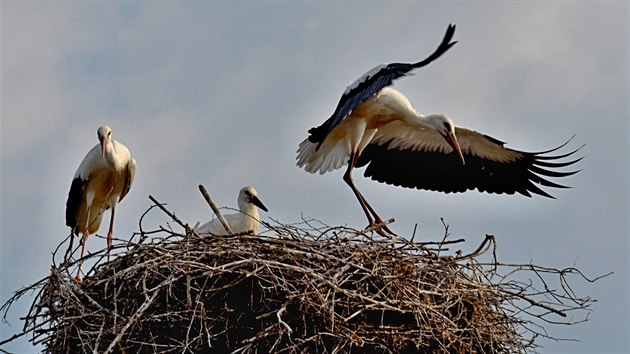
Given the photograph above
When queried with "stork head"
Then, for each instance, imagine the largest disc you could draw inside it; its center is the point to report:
(444, 125)
(248, 195)
(104, 134)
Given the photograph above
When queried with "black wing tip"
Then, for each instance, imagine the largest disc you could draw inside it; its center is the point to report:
(450, 31)
(445, 45)
(318, 134)
(543, 163)
(540, 166)
(560, 147)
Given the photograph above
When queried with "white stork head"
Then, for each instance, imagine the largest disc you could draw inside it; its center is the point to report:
(248, 195)
(444, 125)
(104, 134)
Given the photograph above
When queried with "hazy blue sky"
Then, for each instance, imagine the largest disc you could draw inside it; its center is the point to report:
(222, 93)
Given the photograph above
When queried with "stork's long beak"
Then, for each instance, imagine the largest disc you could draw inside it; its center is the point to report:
(254, 200)
(452, 141)
(103, 144)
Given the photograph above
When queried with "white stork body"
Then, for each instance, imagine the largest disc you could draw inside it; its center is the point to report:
(247, 219)
(102, 180)
(376, 125)
(347, 140)
(361, 126)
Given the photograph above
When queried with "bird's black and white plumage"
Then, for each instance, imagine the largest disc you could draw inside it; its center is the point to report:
(247, 219)
(102, 180)
(365, 106)
(421, 159)
(377, 126)
(370, 84)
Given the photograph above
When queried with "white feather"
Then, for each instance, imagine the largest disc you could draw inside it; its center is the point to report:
(245, 220)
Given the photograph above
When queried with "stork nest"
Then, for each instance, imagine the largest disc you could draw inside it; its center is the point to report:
(300, 288)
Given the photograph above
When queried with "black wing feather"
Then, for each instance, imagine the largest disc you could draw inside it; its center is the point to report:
(74, 202)
(373, 84)
(445, 173)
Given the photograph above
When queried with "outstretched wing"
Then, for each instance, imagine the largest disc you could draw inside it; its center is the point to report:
(372, 82)
(422, 159)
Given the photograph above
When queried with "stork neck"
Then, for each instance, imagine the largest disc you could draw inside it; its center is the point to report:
(248, 209)
(419, 120)
(110, 154)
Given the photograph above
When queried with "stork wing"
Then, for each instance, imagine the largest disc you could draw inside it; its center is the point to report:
(129, 177)
(74, 201)
(79, 182)
(372, 82)
(421, 159)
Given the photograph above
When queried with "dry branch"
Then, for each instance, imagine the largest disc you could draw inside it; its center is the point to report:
(215, 209)
(304, 287)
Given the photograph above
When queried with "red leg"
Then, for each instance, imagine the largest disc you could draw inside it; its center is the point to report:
(110, 233)
(348, 178)
(86, 233)
(367, 208)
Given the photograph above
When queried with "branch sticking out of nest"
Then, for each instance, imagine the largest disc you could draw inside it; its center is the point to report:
(304, 287)
(215, 209)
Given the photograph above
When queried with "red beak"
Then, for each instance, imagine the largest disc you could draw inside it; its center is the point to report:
(103, 143)
(452, 141)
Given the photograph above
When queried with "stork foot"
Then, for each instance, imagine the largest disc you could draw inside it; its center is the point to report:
(380, 231)
(384, 227)
(78, 278)
(380, 228)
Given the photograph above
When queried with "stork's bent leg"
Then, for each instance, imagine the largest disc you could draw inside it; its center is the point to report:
(377, 218)
(347, 177)
(367, 208)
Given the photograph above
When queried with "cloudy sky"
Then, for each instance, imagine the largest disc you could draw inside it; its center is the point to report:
(222, 93)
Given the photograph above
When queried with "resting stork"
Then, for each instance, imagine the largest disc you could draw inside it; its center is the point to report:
(246, 219)
(102, 180)
(375, 125)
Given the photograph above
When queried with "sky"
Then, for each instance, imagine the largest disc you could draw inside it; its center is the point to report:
(222, 93)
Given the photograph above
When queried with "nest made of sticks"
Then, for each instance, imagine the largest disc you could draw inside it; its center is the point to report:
(301, 288)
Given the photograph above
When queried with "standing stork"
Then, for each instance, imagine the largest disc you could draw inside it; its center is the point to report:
(376, 125)
(102, 180)
(245, 220)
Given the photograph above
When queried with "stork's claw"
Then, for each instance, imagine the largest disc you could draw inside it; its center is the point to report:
(380, 228)
(387, 229)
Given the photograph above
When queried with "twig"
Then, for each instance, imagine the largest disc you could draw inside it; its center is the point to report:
(483, 247)
(172, 215)
(216, 210)
(281, 322)
(136, 316)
